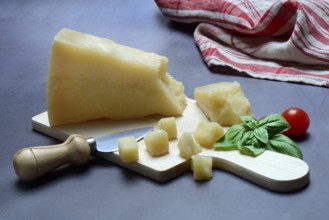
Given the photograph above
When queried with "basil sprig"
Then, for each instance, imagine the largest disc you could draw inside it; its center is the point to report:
(253, 137)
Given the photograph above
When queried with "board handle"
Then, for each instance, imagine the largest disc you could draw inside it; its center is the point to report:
(32, 162)
(272, 170)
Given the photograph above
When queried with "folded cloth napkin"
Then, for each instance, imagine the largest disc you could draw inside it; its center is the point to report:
(285, 40)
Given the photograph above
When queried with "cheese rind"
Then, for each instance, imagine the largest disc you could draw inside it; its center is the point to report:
(92, 78)
(223, 102)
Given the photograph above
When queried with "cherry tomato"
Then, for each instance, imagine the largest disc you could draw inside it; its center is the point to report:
(298, 120)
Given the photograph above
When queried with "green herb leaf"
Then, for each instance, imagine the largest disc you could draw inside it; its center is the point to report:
(225, 146)
(252, 150)
(283, 144)
(245, 140)
(253, 137)
(274, 124)
(230, 139)
(261, 134)
(235, 132)
(251, 145)
(250, 122)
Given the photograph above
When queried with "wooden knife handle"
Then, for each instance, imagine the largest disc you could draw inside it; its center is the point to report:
(33, 162)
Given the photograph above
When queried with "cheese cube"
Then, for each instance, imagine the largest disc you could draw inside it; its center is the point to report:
(187, 146)
(128, 149)
(92, 78)
(201, 167)
(169, 126)
(223, 102)
(207, 133)
(157, 142)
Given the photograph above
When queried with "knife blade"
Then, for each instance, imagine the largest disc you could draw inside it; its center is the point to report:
(33, 162)
(109, 143)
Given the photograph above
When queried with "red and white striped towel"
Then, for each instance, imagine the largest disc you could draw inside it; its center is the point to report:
(286, 40)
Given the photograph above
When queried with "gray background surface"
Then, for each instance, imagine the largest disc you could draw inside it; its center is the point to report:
(101, 190)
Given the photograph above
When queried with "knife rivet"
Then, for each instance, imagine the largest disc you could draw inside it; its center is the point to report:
(92, 144)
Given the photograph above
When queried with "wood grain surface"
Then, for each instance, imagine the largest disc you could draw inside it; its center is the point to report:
(271, 170)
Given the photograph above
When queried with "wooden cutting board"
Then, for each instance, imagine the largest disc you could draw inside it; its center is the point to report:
(274, 171)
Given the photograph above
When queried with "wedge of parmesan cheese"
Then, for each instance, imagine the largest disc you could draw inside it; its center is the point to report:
(223, 102)
(91, 78)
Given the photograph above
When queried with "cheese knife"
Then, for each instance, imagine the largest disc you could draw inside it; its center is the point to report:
(33, 162)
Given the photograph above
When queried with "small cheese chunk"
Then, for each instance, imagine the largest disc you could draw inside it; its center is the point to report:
(128, 149)
(201, 167)
(91, 78)
(223, 102)
(169, 126)
(207, 133)
(157, 142)
(187, 146)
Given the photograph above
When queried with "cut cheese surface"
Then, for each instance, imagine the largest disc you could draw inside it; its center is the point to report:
(91, 78)
(223, 102)
(202, 167)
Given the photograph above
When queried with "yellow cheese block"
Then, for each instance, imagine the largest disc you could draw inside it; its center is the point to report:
(223, 102)
(201, 167)
(169, 126)
(92, 78)
(157, 143)
(187, 146)
(207, 133)
(128, 149)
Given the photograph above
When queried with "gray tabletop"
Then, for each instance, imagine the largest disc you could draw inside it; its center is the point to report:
(102, 190)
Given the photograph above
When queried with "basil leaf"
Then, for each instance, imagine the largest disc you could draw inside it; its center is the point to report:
(274, 124)
(252, 150)
(261, 134)
(236, 132)
(283, 144)
(225, 146)
(230, 139)
(250, 145)
(253, 137)
(250, 122)
(245, 140)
